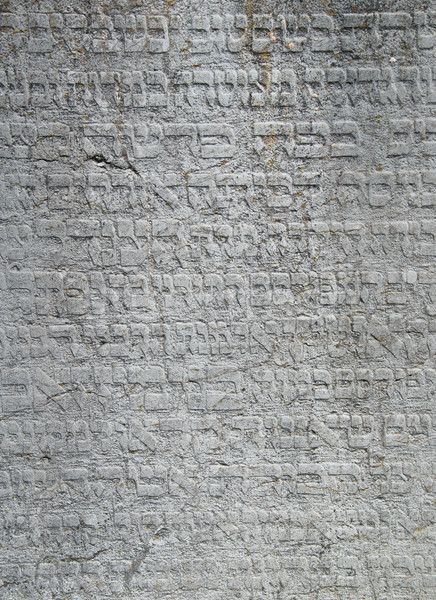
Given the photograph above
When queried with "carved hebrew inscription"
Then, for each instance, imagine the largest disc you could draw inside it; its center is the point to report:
(217, 300)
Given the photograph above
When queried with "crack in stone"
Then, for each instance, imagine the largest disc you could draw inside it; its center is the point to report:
(102, 160)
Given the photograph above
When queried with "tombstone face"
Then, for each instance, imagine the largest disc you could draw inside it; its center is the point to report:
(217, 300)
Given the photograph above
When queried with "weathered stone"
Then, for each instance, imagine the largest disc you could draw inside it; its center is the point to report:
(217, 300)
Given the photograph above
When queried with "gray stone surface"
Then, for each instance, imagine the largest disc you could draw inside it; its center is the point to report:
(217, 300)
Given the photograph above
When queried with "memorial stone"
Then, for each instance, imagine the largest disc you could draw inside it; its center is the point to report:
(217, 300)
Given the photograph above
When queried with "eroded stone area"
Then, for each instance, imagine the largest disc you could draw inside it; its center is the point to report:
(217, 300)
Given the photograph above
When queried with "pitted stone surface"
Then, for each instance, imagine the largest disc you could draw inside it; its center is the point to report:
(217, 300)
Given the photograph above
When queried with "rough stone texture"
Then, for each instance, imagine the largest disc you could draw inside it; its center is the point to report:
(217, 300)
